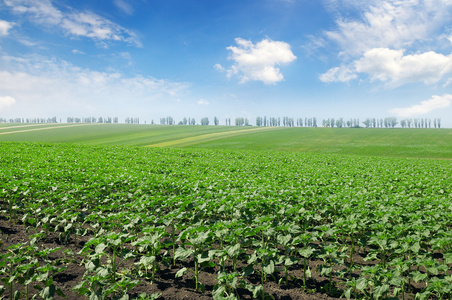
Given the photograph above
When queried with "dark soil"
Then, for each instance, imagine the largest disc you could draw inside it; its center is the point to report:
(165, 281)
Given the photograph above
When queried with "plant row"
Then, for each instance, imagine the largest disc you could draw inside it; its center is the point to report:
(367, 228)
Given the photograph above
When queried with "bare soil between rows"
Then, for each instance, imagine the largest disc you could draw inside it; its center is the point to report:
(171, 288)
(165, 283)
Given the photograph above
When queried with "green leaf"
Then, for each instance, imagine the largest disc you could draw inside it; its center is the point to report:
(218, 293)
(248, 270)
(418, 276)
(124, 297)
(284, 239)
(257, 291)
(100, 248)
(269, 268)
(381, 291)
(147, 260)
(233, 251)
(306, 252)
(203, 257)
(422, 296)
(181, 272)
(325, 270)
(182, 253)
(48, 292)
(361, 284)
(348, 293)
(290, 261)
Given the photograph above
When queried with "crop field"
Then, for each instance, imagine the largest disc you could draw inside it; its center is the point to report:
(125, 222)
(419, 143)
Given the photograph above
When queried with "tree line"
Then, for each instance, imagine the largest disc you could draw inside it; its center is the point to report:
(389, 122)
(93, 120)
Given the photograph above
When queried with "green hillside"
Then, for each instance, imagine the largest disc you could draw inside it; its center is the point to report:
(422, 143)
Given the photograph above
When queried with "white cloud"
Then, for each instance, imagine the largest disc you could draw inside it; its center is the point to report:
(124, 6)
(219, 67)
(393, 66)
(436, 102)
(75, 51)
(6, 102)
(259, 61)
(5, 27)
(338, 74)
(72, 22)
(389, 23)
(45, 86)
(376, 40)
(203, 102)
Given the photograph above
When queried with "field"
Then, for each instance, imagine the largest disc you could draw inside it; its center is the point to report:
(420, 143)
(207, 212)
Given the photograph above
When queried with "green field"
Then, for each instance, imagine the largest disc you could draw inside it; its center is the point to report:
(115, 211)
(96, 220)
(420, 143)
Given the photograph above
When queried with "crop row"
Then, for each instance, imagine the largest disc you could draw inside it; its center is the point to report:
(364, 227)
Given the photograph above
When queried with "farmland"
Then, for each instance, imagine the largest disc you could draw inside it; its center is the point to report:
(126, 222)
(416, 143)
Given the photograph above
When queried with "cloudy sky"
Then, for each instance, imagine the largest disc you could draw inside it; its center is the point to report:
(235, 58)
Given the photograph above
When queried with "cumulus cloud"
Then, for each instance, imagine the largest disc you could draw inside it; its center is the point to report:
(376, 42)
(389, 23)
(49, 86)
(436, 102)
(5, 27)
(392, 65)
(6, 102)
(259, 61)
(72, 22)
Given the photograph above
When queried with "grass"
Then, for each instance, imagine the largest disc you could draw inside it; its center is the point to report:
(416, 143)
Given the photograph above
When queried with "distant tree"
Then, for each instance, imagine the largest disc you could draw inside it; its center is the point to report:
(393, 121)
(438, 122)
(205, 121)
(216, 122)
(239, 121)
(184, 121)
(366, 123)
(258, 121)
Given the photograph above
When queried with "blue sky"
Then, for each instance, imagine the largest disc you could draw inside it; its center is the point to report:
(235, 58)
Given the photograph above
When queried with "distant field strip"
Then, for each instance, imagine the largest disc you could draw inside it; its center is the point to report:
(21, 126)
(208, 137)
(37, 129)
